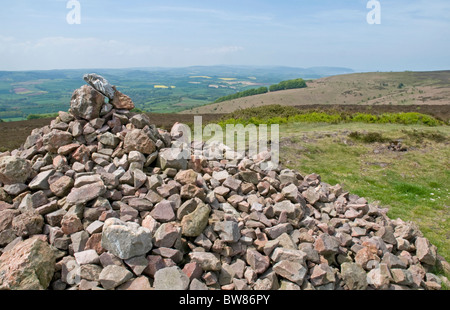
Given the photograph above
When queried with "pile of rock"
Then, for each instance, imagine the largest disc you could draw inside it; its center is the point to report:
(96, 200)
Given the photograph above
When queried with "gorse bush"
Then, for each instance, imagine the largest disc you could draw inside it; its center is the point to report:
(263, 112)
(277, 114)
(40, 116)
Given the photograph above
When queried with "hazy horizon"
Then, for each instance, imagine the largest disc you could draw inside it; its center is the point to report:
(412, 35)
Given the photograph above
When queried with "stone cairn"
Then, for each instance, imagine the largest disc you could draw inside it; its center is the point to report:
(95, 201)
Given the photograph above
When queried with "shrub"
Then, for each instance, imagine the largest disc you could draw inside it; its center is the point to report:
(370, 137)
(277, 114)
(420, 136)
(39, 116)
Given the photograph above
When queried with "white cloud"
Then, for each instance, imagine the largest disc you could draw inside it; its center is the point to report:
(223, 50)
(71, 53)
(65, 52)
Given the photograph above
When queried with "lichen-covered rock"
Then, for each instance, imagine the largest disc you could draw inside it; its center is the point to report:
(14, 170)
(86, 193)
(193, 224)
(29, 265)
(28, 224)
(56, 139)
(354, 276)
(126, 240)
(171, 278)
(86, 103)
(138, 140)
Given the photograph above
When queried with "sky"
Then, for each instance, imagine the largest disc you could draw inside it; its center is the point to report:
(412, 34)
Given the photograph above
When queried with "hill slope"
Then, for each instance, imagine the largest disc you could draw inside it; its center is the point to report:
(396, 88)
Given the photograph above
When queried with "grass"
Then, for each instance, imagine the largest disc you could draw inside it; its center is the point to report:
(277, 114)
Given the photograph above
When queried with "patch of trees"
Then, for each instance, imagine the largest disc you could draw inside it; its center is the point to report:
(290, 84)
(245, 93)
(11, 114)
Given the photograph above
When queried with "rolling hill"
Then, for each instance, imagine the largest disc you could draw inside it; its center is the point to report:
(376, 88)
(156, 90)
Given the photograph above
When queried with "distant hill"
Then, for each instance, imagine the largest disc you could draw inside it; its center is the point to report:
(376, 88)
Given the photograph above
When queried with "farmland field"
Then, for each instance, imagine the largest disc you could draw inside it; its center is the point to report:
(157, 90)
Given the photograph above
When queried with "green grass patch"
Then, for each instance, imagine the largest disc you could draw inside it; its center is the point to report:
(277, 114)
(39, 116)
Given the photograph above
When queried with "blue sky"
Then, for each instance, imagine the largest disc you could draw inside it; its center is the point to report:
(413, 35)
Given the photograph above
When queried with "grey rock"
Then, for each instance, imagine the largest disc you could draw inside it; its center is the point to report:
(171, 278)
(15, 189)
(108, 139)
(280, 254)
(54, 218)
(286, 206)
(112, 276)
(137, 264)
(79, 240)
(194, 223)
(41, 180)
(86, 193)
(166, 235)
(140, 121)
(208, 261)
(100, 84)
(354, 276)
(14, 170)
(126, 240)
(31, 202)
(90, 272)
(28, 224)
(380, 277)
(228, 231)
(291, 192)
(326, 244)
(86, 103)
(87, 257)
(291, 271)
(172, 158)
